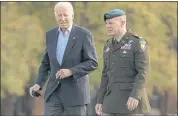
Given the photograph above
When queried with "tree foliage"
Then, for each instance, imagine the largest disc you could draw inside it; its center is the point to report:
(21, 46)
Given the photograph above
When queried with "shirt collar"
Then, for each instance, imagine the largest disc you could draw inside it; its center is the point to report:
(120, 37)
(68, 30)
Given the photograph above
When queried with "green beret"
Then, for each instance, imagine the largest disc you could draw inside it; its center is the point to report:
(113, 13)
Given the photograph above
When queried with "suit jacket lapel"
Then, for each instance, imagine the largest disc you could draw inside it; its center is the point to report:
(70, 44)
(55, 45)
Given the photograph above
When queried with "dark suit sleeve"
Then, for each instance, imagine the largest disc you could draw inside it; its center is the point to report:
(142, 66)
(89, 58)
(103, 84)
(43, 70)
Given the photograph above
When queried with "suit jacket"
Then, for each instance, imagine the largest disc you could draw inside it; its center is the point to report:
(79, 56)
(125, 72)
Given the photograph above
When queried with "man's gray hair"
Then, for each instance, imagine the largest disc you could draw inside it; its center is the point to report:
(122, 18)
(67, 5)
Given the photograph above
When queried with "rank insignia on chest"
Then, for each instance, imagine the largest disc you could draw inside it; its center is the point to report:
(107, 49)
(126, 47)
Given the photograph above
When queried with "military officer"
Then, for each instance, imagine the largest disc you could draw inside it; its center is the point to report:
(126, 63)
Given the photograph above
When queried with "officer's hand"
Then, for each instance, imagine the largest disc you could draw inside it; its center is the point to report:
(98, 109)
(35, 87)
(63, 73)
(132, 103)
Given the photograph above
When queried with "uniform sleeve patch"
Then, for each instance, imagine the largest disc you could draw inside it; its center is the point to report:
(143, 45)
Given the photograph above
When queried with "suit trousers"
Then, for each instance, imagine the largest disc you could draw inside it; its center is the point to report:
(55, 107)
(119, 114)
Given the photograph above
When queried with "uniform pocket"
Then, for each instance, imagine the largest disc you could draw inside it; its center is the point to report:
(126, 86)
(124, 62)
(125, 59)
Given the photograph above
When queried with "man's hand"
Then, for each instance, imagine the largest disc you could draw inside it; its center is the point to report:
(98, 109)
(35, 87)
(132, 103)
(63, 73)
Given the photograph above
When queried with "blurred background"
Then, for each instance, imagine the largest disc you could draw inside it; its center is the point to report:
(23, 27)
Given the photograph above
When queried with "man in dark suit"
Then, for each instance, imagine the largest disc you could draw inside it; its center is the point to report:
(126, 63)
(70, 56)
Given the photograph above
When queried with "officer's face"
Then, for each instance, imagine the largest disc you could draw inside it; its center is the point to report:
(113, 26)
(64, 17)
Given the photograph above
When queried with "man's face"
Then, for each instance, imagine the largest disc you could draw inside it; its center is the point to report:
(113, 26)
(64, 17)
